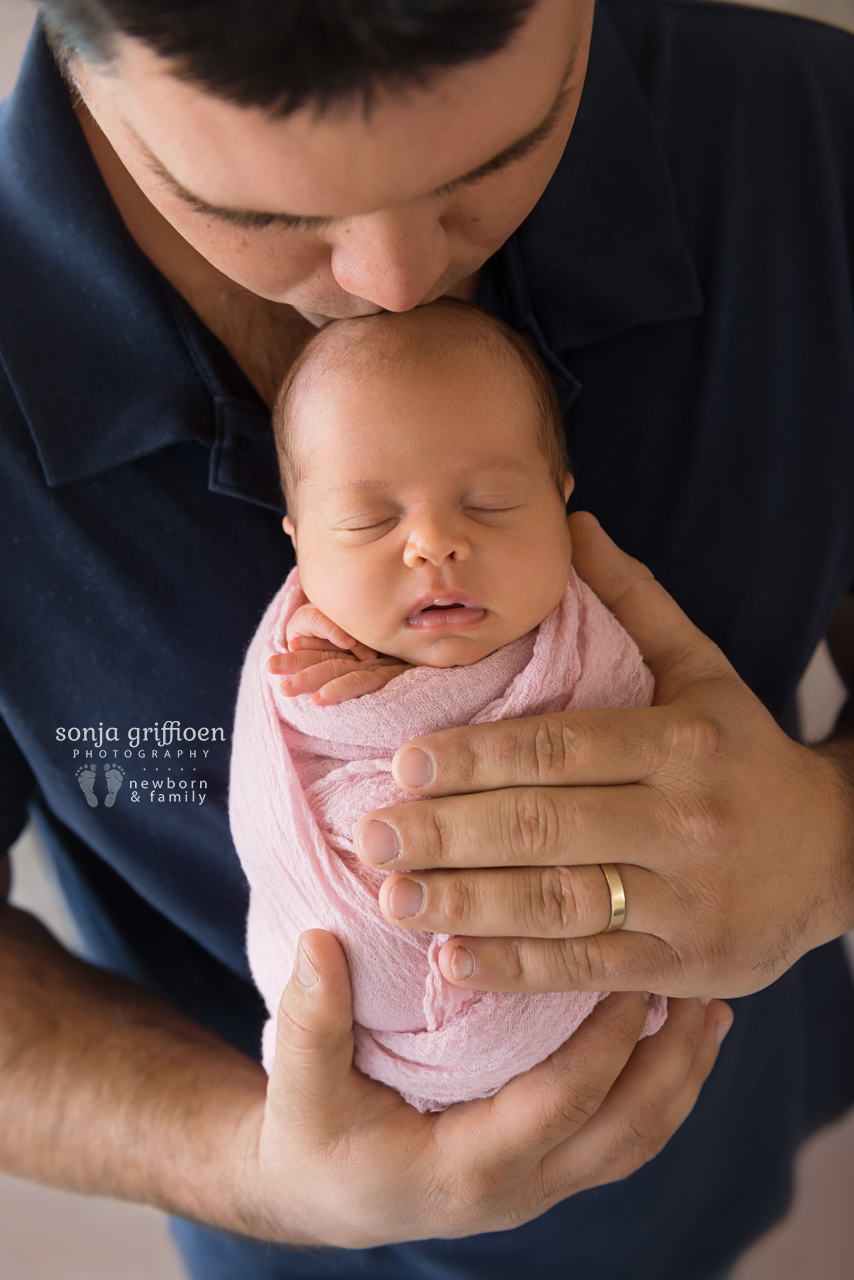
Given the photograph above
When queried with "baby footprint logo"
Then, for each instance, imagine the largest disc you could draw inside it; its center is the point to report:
(115, 776)
(86, 780)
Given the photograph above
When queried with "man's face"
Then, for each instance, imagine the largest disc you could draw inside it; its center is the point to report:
(372, 212)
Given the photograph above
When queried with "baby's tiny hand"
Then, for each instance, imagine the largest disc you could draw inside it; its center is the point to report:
(310, 629)
(325, 661)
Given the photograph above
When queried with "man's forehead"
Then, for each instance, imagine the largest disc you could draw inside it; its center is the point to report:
(344, 162)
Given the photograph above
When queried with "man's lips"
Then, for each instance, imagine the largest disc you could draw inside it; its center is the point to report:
(444, 613)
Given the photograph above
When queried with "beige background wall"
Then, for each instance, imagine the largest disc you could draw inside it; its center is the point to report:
(52, 1235)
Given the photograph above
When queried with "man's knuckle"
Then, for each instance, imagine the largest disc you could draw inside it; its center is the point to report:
(549, 745)
(556, 908)
(701, 820)
(693, 740)
(473, 1195)
(479, 758)
(303, 1041)
(533, 821)
(585, 959)
(633, 1131)
(577, 1105)
(438, 832)
(578, 1096)
(514, 966)
(458, 901)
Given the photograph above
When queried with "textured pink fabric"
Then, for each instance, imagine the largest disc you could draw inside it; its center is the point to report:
(302, 776)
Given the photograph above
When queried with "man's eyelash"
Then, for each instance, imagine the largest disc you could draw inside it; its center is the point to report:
(249, 220)
(513, 154)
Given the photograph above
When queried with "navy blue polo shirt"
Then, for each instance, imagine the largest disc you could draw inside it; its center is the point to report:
(687, 278)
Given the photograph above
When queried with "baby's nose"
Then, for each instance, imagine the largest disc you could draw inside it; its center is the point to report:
(434, 543)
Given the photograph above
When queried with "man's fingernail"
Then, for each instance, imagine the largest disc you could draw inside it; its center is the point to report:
(378, 843)
(406, 899)
(722, 1030)
(306, 973)
(462, 963)
(414, 768)
(646, 995)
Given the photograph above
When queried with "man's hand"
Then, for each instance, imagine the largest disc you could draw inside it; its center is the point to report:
(343, 1160)
(735, 844)
(327, 662)
(108, 1091)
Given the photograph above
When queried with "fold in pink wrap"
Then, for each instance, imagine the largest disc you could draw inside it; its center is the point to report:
(302, 776)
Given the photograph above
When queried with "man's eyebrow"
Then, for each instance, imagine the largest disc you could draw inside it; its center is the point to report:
(239, 217)
(312, 222)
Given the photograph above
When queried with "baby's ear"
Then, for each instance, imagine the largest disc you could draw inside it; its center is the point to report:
(288, 526)
(568, 486)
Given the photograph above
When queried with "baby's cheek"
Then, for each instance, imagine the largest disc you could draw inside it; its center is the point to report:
(352, 600)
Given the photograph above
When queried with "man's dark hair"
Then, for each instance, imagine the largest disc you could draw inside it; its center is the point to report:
(284, 54)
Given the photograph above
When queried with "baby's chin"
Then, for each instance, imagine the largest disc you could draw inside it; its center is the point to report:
(446, 651)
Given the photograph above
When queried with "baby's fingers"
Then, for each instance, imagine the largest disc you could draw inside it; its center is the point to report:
(314, 677)
(354, 684)
(309, 622)
(301, 644)
(362, 652)
(288, 664)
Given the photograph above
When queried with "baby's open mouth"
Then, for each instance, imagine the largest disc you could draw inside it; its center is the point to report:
(445, 614)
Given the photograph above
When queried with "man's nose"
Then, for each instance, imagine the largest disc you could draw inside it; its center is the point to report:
(392, 258)
(435, 542)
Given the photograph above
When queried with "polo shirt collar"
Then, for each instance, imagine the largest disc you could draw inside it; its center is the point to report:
(106, 360)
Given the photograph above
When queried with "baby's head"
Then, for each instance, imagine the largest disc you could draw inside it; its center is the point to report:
(425, 472)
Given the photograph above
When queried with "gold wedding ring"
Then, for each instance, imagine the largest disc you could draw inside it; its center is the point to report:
(618, 897)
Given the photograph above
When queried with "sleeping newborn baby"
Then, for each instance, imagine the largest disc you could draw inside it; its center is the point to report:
(425, 473)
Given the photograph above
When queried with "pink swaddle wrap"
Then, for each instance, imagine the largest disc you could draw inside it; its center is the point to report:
(302, 776)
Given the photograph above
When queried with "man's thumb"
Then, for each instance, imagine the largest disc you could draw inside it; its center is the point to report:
(652, 618)
(314, 1032)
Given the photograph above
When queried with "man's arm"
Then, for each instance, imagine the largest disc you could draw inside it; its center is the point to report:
(105, 1090)
(735, 844)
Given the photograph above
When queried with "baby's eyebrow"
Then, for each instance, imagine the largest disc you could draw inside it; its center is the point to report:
(356, 487)
(488, 471)
(254, 218)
